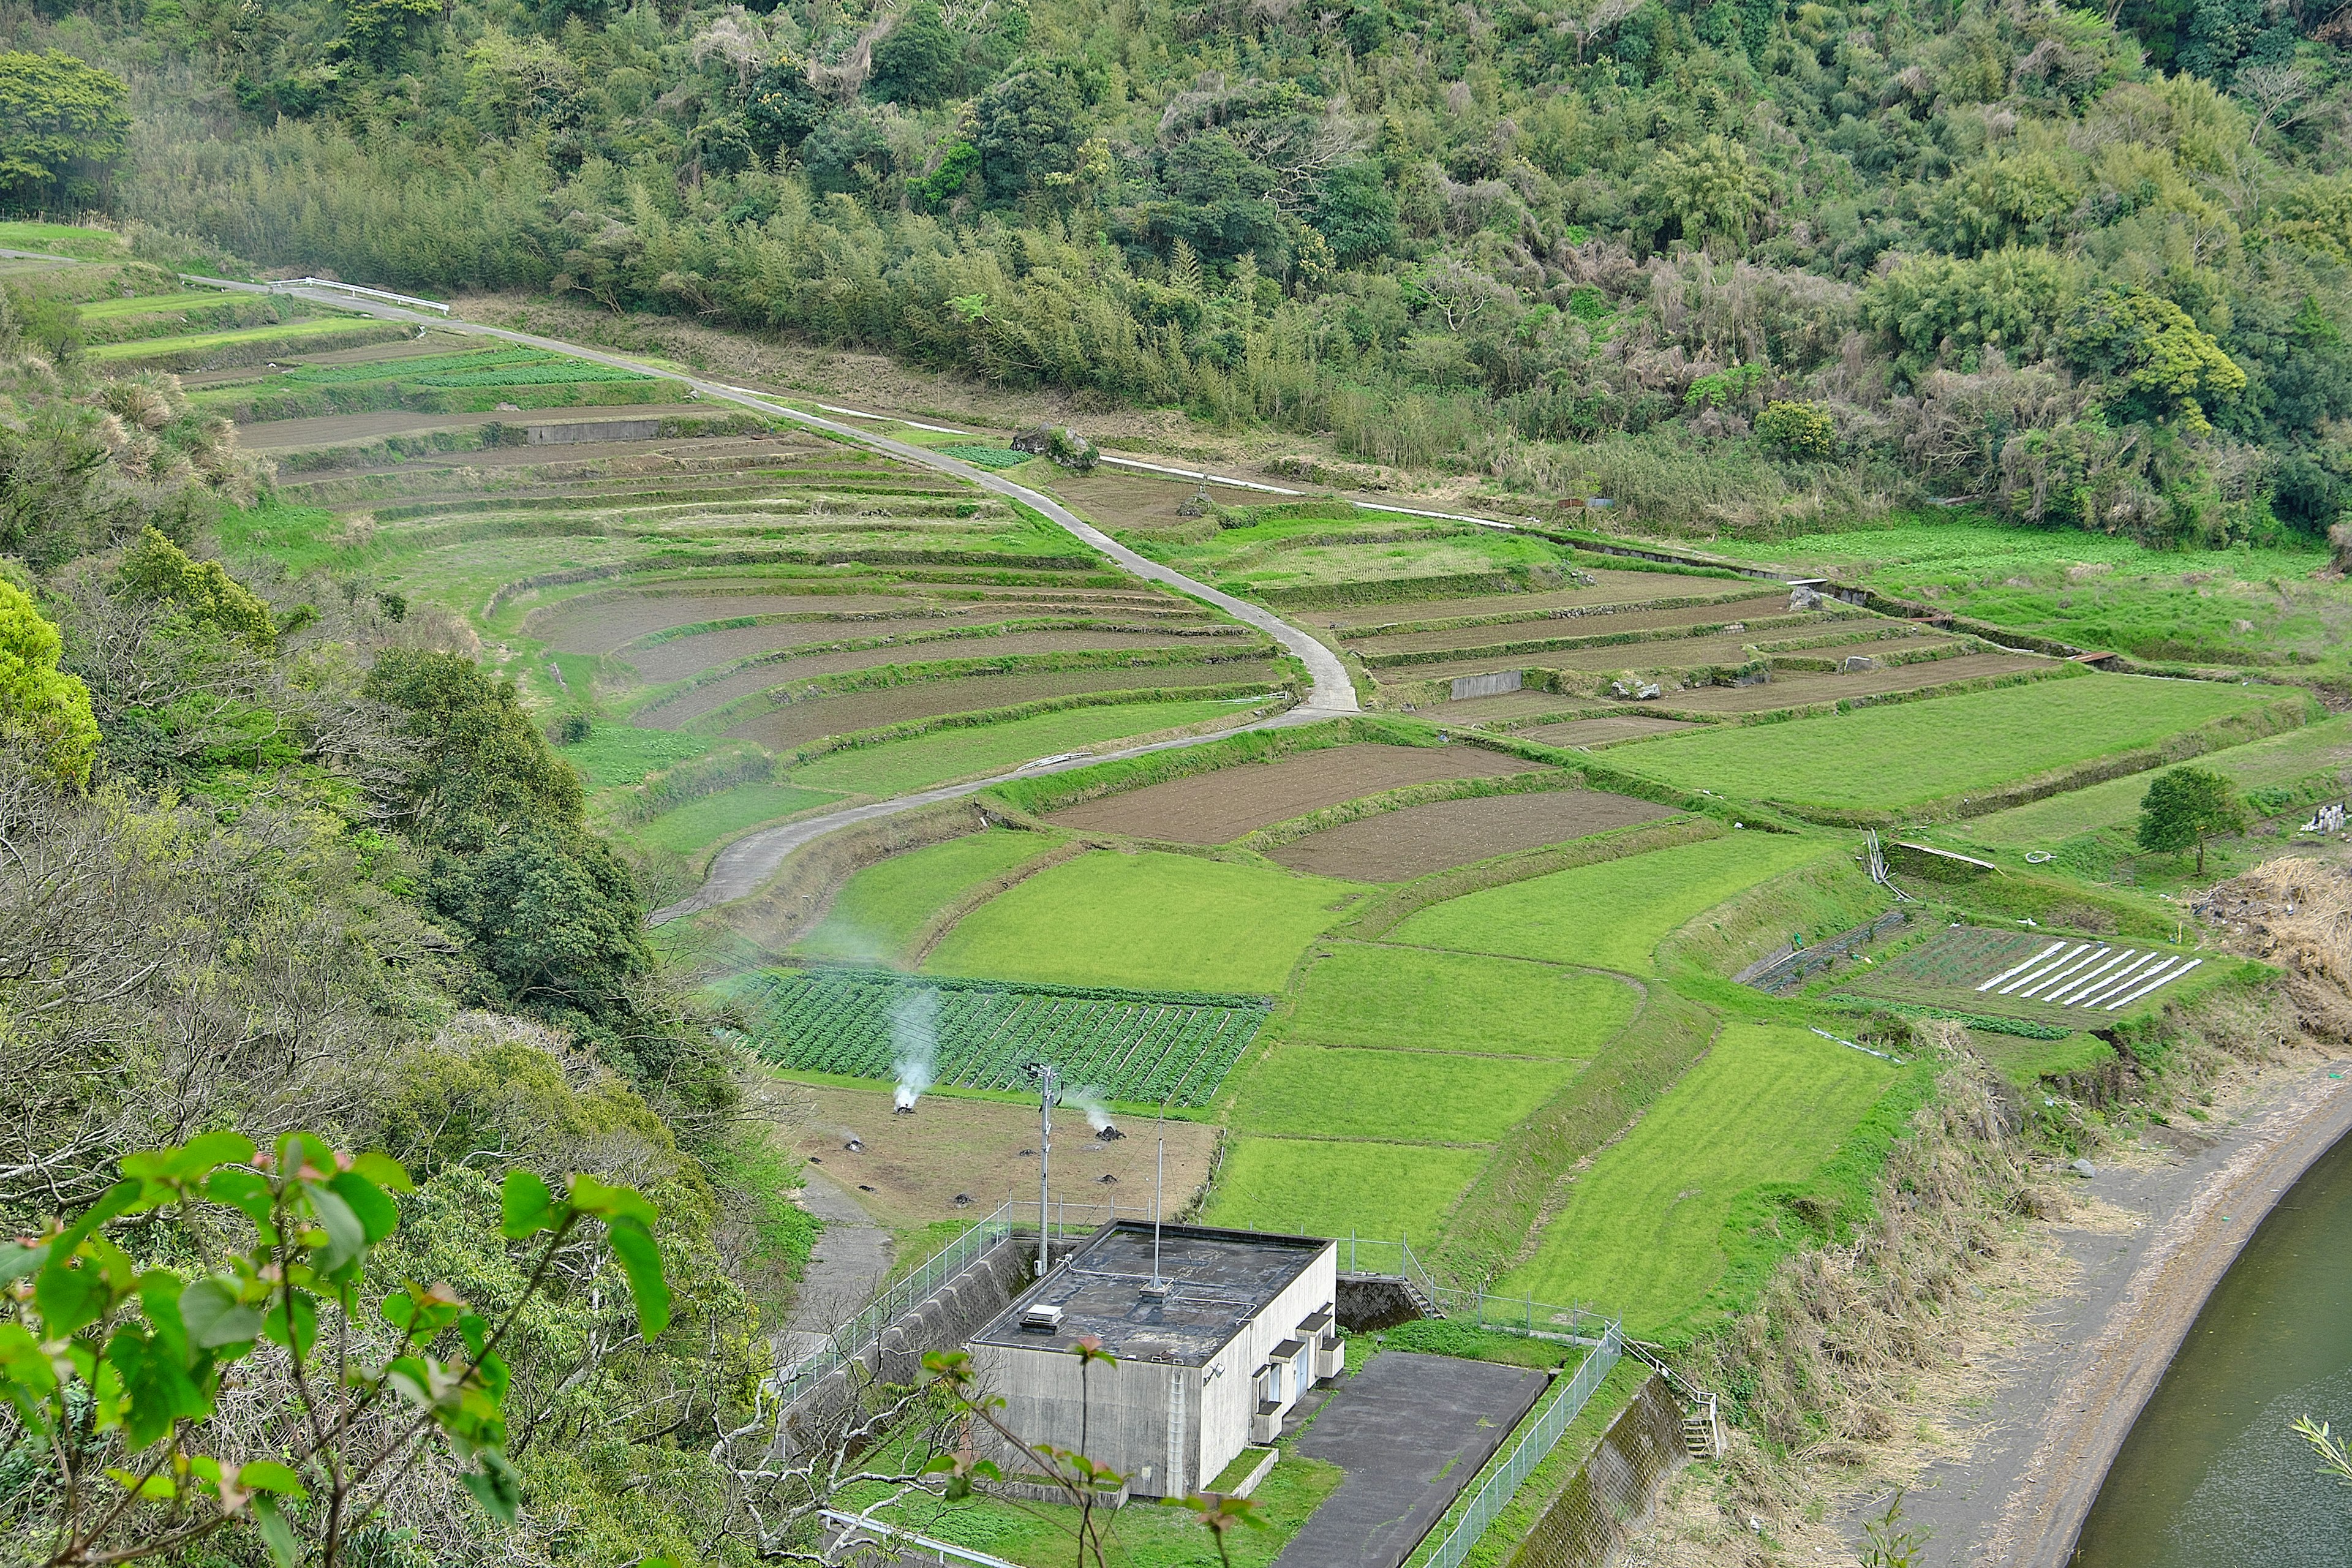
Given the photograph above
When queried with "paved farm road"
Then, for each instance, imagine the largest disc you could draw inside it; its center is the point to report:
(748, 863)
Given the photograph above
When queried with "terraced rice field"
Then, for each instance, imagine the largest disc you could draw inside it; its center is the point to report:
(1142, 1047)
(1221, 806)
(1392, 648)
(1606, 731)
(1607, 587)
(804, 722)
(1805, 688)
(1397, 845)
(1888, 758)
(2079, 983)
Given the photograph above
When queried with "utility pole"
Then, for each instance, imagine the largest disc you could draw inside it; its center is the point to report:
(1048, 1084)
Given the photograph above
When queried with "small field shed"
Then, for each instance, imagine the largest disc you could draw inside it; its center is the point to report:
(1209, 1362)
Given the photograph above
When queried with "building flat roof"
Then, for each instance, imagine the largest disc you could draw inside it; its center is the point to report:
(1217, 1281)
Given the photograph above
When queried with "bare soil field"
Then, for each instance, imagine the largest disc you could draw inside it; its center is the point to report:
(912, 1168)
(680, 455)
(1608, 588)
(342, 429)
(1469, 639)
(675, 658)
(700, 699)
(1788, 690)
(1115, 501)
(1216, 807)
(1510, 706)
(802, 722)
(1399, 845)
(605, 622)
(1601, 731)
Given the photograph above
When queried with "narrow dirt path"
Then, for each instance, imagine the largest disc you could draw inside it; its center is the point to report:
(848, 1264)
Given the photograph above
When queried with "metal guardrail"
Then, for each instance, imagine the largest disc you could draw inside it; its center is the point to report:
(1514, 1314)
(287, 285)
(909, 1543)
(1533, 1448)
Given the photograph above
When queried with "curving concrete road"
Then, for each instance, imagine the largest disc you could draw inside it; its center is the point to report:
(748, 863)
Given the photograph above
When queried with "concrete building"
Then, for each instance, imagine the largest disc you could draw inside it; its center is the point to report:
(1208, 1366)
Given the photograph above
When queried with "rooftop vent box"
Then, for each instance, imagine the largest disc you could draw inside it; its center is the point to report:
(1042, 1318)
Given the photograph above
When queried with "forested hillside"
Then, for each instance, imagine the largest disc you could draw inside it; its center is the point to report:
(1736, 262)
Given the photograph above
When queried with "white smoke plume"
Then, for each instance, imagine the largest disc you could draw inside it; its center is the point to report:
(1089, 1101)
(915, 1043)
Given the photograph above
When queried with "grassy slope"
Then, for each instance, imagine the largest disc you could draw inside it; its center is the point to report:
(1642, 1231)
(1151, 921)
(1917, 752)
(880, 909)
(897, 766)
(1611, 915)
(1415, 999)
(622, 754)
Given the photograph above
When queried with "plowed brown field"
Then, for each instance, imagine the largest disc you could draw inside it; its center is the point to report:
(602, 623)
(1608, 588)
(802, 722)
(1401, 845)
(1214, 807)
(1725, 648)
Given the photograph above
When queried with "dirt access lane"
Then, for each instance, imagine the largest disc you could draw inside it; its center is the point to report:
(2065, 1401)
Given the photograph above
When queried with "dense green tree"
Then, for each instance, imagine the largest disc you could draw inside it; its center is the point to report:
(1355, 211)
(159, 570)
(781, 107)
(916, 61)
(43, 711)
(2186, 806)
(1027, 127)
(2162, 363)
(850, 153)
(62, 122)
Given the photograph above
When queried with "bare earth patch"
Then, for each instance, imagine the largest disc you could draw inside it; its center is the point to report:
(1215, 807)
(1398, 846)
(605, 622)
(1469, 639)
(1608, 588)
(912, 1167)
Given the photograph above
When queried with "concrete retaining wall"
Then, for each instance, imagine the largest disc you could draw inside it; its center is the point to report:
(1611, 1496)
(1494, 685)
(593, 430)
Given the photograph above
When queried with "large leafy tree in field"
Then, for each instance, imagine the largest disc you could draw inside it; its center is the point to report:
(60, 121)
(2186, 806)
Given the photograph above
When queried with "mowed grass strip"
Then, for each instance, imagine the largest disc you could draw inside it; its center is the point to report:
(1611, 915)
(1305, 1186)
(1402, 998)
(1405, 1096)
(705, 822)
(1643, 1232)
(1149, 921)
(879, 909)
(1912, 753)
(965, 750)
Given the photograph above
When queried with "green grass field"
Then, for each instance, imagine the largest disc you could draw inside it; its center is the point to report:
(1643, 1230)
(880, 909)
(1912, 753)
(973, 749)
(2277, 761)
(1613, 914)
(1408, 1096)
(1306, 1186)
(705, 822)
(1416, 999)
(62, 239)
(1151, 921)
(622, 754)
